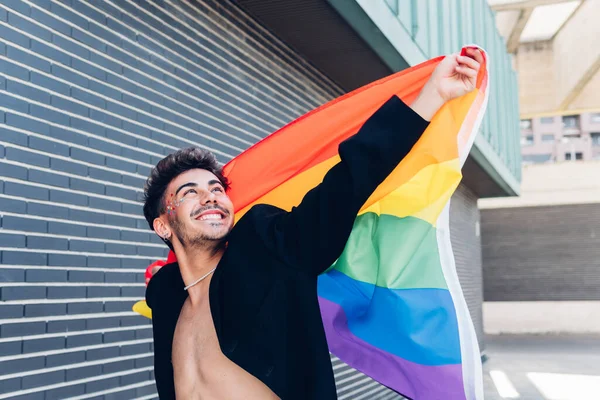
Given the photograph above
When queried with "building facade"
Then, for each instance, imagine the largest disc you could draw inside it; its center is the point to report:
(540, 252)
(94, 93)
(561, 138)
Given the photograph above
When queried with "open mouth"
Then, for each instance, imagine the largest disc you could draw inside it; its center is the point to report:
(212, 215)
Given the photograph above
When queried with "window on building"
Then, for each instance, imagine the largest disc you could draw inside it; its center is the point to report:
(527, 140)
(570, 121)
(548, 138)
(547, 120)
(569, 156)
(525, 124)
(595, 138)
(595, 118)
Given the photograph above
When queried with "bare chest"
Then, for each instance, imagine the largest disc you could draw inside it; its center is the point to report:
(200, 369)
(195, 336)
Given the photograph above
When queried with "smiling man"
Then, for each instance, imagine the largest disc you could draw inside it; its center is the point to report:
(237, 316)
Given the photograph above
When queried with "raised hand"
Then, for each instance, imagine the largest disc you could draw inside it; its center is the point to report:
(454, 76)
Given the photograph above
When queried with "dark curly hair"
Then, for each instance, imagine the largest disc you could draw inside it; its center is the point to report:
(171, 167)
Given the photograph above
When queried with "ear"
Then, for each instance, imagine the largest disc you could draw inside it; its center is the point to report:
(161, 228)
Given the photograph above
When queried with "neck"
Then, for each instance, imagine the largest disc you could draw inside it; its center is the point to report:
(195, 263)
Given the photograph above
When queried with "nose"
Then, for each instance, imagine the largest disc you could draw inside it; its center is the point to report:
(209, 198)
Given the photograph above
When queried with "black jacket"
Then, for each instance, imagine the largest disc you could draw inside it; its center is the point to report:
(263, 295)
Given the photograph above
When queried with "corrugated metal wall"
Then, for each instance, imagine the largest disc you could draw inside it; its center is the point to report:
(548, 253)
(93, 94)
(353, 385)
(466, 244)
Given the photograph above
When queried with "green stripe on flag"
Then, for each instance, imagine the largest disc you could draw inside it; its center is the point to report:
(392, 252)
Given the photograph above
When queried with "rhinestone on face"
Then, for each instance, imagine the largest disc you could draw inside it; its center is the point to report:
(170, 208)
(171, 205)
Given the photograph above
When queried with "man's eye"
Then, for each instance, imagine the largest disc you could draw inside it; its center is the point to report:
(190, 191)
(218, 189)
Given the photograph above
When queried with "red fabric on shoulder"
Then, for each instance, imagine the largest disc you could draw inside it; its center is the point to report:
(171, 258)
(148, 274)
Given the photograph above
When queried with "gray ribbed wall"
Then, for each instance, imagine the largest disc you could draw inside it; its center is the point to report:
(466, 244)
(92, 95)
(549, 253)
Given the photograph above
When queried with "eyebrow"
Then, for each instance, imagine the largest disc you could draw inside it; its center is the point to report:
(193, 184)
(190, 184)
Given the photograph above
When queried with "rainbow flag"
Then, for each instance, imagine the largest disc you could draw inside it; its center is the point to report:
(391, 304)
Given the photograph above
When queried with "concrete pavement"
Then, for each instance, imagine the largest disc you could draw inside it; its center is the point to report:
(542, 367)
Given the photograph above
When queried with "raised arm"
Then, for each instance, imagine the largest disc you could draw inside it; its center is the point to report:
(313, 234)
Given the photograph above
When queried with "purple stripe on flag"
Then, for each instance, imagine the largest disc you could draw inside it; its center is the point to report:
(416, 381)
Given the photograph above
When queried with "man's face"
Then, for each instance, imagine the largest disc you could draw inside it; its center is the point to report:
(199, 212)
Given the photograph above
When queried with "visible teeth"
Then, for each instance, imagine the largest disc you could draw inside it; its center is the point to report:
(210, 216)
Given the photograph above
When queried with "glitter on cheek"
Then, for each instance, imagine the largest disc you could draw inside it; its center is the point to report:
(170, 208)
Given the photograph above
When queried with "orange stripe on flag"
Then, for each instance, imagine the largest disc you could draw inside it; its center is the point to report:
(323, 129)
(437, 145)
